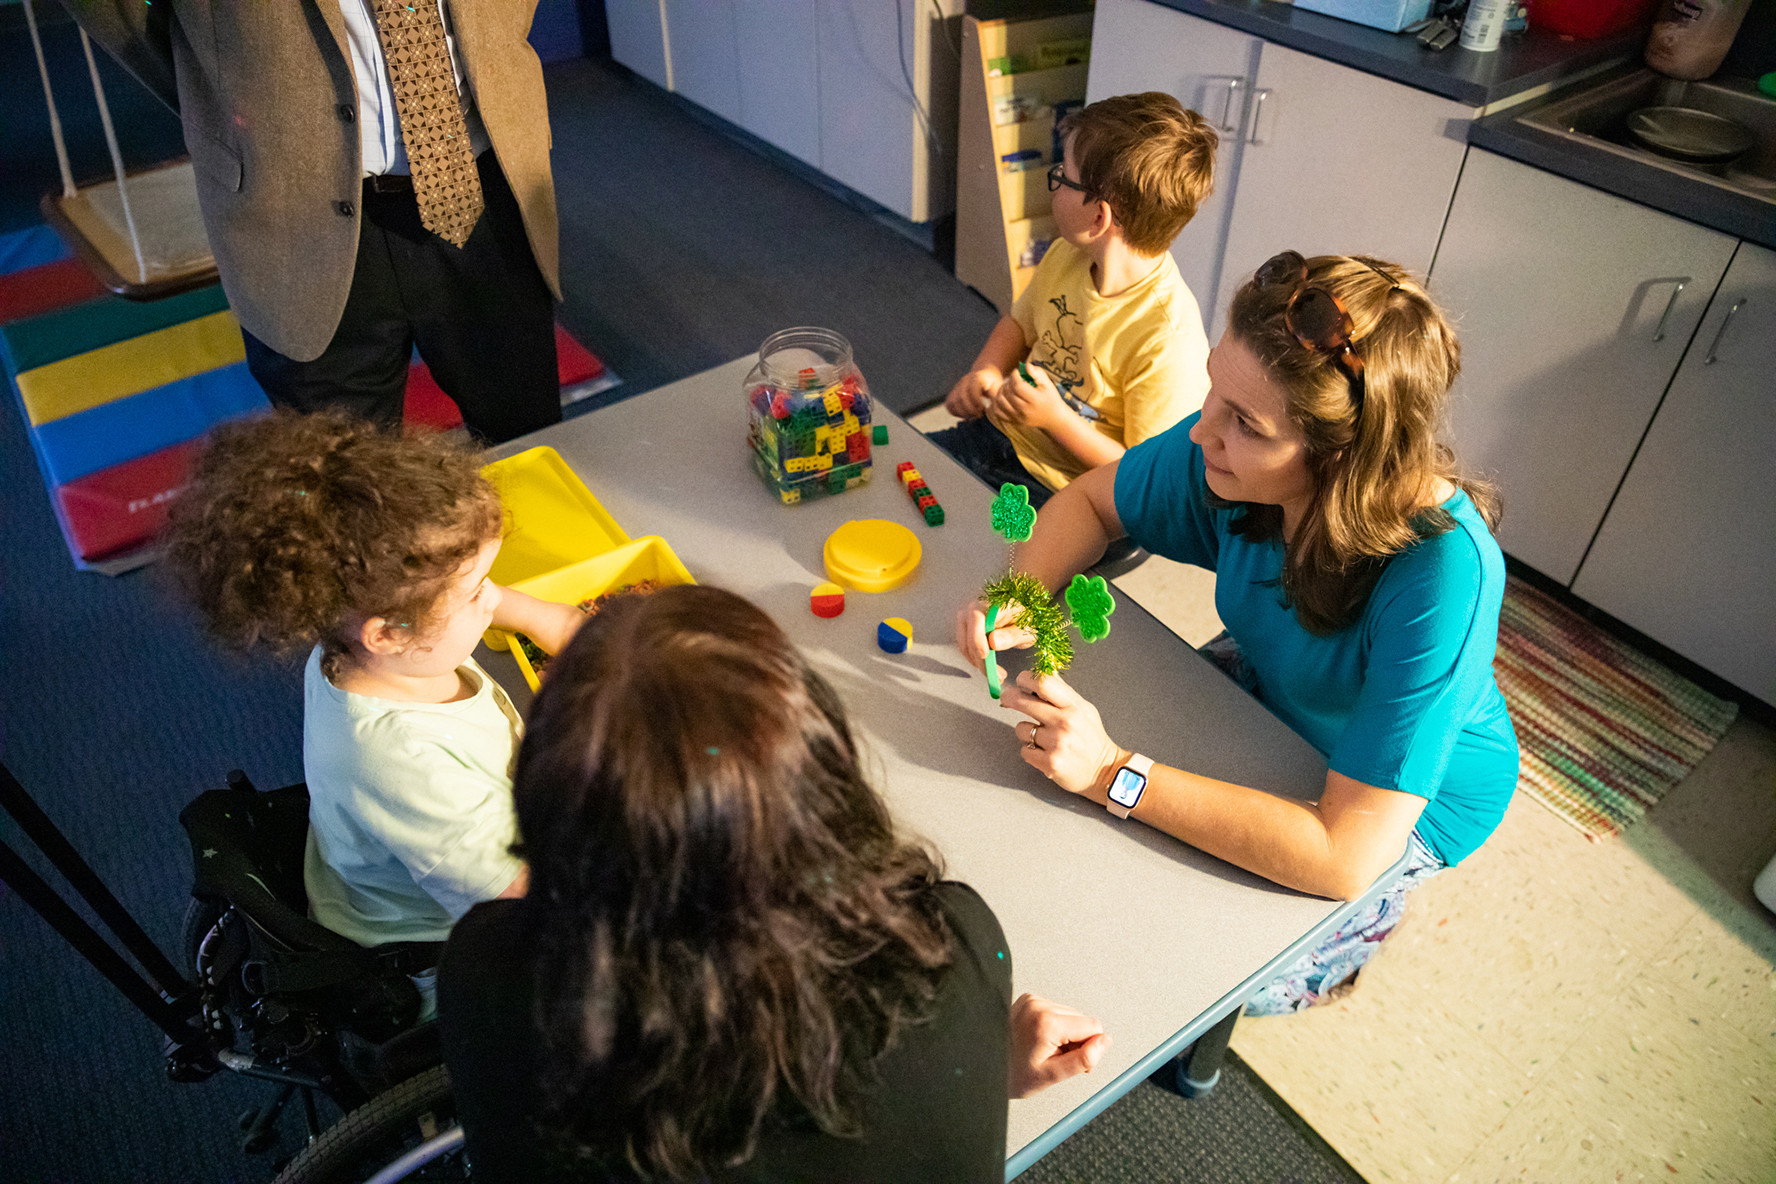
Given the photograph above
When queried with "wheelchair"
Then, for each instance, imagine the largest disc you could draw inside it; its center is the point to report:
(265, 992)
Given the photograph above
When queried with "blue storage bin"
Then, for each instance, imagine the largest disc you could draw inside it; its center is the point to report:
(1391, 15)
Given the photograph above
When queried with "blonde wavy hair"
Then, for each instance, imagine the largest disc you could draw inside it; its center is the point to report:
(1375, 463)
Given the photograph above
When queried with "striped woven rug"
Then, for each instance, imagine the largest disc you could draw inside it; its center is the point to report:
(1605, 730)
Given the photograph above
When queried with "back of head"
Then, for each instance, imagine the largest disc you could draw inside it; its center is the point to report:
(724, 924)
(1374, 457)
(293, 524)
(1150, 157)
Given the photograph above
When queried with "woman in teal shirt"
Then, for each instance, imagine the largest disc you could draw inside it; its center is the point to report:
(1359, 582)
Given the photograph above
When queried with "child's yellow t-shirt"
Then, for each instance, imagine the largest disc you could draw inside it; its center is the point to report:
(1137, 361)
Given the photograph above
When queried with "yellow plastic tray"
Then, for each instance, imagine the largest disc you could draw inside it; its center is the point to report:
(647, 558)
(553, 519)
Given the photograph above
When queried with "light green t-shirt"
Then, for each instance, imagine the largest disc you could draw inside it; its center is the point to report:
(410, 811)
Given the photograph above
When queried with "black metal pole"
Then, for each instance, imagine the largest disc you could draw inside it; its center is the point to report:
(80, 874)
(37, 893)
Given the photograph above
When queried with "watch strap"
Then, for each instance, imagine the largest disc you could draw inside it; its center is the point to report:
(1141, 765)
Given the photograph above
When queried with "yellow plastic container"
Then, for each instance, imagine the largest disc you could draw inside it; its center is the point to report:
(871, 555)
(646, 558)
(553, 520)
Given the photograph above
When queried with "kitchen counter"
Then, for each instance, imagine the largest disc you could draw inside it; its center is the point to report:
(1523, 62)
(1687, 196)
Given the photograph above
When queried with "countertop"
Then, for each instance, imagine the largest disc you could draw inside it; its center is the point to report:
(1522, 62)
(1525, 61)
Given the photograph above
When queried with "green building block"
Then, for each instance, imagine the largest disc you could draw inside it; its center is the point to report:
(879, 434)
(934, 516)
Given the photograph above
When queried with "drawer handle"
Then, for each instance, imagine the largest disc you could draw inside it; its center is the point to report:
(1258, 97)
(1714, 349)
(1229, 117)
(1659, 333)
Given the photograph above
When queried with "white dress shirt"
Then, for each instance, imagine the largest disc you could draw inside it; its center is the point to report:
(379, 123)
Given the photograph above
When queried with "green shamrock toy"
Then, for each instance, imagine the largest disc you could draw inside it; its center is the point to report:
(1092, 604)
(1013, 516)
(1052, 651)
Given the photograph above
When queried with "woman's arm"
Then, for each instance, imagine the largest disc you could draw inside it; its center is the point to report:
(1071, 533)
(1335, 847)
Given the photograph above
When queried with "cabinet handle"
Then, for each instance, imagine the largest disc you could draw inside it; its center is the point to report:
(1714, 348)
(1230, 116)
(1659, 333)
(1258, 97)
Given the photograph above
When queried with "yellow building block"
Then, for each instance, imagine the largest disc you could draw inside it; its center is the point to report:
(908, 476)
(833, 403)
(821, 463)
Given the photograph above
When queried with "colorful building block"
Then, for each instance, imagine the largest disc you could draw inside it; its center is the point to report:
(894, 635)
(934, 516)
(826, 600)
(879, 434)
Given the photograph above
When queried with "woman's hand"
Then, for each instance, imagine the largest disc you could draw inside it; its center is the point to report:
(1035, 404)
(1064, 739)
(1050, 1043)
(971, 632)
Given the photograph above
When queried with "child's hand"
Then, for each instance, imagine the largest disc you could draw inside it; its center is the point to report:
(968, 399)
(1035, 404)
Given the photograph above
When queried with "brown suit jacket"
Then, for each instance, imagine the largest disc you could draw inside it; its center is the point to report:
(263, 88)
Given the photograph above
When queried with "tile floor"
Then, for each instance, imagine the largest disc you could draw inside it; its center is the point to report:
(1553, 1009)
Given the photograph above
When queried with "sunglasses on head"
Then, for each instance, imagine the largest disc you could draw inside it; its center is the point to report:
(1317, 318)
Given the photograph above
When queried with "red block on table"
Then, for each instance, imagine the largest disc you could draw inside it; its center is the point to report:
(46, 288)
(119, 509)
(902, 467)
(926, 501)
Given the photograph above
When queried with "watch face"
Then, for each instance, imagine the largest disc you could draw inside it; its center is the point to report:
(1126, 787)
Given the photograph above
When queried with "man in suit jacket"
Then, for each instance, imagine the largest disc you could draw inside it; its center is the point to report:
(290, 116)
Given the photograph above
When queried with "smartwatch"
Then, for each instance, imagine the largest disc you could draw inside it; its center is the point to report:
(1128, 785)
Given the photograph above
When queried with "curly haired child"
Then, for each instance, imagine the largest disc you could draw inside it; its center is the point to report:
(323, 532)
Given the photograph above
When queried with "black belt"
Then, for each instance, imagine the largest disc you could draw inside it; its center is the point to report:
(395, 182)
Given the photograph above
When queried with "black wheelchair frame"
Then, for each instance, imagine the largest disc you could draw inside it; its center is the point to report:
(270, 993)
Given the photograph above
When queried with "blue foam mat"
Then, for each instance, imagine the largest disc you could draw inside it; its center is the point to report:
(31, 247)
(124, 429)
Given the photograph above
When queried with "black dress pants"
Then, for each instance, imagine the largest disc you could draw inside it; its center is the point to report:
(481, 315)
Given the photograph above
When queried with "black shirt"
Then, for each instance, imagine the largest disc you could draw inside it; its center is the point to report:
(936, 1114)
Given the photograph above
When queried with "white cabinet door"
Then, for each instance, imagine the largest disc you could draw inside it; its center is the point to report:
(867, 119)
(1340, 162)
(1688, 552)
(638, 37)
(779, 69)
(705, 66)
(1567, 303)
(1141, 46)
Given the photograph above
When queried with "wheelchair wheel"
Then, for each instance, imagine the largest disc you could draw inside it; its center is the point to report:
(200, 917)
(385, 1128)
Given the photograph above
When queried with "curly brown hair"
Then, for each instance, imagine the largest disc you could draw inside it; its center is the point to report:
(294, 527)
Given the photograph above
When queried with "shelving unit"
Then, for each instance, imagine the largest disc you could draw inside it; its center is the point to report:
(1006, 143)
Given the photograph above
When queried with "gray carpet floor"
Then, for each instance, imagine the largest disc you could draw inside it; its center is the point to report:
(682, 249)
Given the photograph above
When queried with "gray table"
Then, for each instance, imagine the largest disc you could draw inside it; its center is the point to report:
(1156, 939)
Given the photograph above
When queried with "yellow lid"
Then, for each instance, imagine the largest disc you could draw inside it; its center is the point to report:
(871, 555)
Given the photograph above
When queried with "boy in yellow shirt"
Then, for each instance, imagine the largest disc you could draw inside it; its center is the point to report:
(1105, 348)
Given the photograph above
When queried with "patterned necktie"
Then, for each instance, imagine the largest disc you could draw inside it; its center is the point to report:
(445, 182)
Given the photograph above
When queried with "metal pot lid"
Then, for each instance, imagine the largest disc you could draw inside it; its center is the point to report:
(1684, 133)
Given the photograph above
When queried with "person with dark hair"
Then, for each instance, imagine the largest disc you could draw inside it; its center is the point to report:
(728, 966)
(1357, 576)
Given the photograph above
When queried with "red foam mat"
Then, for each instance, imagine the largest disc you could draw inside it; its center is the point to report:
(118, 509)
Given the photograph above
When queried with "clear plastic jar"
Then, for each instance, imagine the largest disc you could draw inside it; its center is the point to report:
(808, 415)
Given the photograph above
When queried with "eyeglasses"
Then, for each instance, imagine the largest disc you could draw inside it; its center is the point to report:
(1316, 317)
(1057, 177)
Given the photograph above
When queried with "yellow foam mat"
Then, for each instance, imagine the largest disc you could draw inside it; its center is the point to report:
(126, 368)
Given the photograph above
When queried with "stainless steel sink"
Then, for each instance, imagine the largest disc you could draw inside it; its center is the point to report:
(1595, 118)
